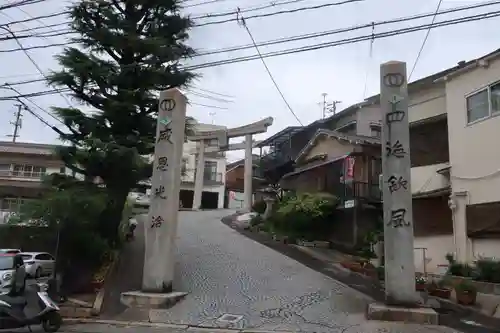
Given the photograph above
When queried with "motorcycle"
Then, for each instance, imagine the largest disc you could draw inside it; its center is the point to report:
(13, 312)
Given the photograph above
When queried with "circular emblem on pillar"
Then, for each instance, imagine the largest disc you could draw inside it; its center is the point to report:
(394, 80)
(167, 104)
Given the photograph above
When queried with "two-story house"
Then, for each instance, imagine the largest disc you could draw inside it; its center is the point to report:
(22, 167)
(214, 173)
(339, 155)
(473, 109)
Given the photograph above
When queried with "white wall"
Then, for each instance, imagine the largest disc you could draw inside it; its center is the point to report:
(485, 248)
(474, 153)
(437, 247)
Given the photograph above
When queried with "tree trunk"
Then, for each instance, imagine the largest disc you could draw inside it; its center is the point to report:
(112, 215)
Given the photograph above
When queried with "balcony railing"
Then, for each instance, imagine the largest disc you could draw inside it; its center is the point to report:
(209, 177)
(356, 190)
(212, 178)
(35, 175)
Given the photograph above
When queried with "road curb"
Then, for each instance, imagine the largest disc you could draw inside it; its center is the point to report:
(122, 323)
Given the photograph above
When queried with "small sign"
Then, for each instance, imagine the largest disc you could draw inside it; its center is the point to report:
(349, 204)
(167, 104)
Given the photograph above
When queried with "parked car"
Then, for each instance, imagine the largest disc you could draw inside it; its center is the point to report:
(38, 263)
(10, 251)
(12, 273)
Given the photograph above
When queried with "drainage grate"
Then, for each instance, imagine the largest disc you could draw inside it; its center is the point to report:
(229, 318)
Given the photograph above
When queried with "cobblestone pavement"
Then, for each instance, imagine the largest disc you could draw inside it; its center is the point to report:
(226, 273)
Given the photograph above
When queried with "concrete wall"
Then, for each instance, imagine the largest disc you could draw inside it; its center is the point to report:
(485, 248)
(436, 249)
(427, 103)
(426, 178)
(474, 153)
(366, 116)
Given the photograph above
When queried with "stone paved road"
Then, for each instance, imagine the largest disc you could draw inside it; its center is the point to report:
(227, 273)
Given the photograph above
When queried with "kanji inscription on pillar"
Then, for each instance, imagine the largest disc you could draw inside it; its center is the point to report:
(397, 197)
(161, 227)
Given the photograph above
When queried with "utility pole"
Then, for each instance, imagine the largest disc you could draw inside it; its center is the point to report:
(212, 115)
(17, 122)
(328, 107)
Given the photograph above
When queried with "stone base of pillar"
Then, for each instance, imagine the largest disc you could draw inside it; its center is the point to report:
(417, 315)
(140, 299)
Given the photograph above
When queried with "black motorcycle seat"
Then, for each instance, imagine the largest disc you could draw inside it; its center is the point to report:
(14, 300)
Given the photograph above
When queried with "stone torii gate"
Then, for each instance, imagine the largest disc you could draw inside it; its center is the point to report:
(222, 137)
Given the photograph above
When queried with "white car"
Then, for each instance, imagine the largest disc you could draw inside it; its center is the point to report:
(10, 251)
(38, 264)
(12, 273)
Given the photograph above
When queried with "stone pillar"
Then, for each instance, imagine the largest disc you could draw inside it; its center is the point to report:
(198, 175)
(397, 197)
(269, 200)
(247, 187)
(161, 225)
(458, 206)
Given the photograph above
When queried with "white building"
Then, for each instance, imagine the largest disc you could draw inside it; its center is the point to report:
(214, 174)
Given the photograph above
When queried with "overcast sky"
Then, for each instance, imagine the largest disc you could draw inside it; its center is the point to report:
(340, 72)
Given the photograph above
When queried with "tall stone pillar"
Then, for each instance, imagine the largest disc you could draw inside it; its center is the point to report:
(198, 176)
(247, 186)
(397, 197)
(161, 225)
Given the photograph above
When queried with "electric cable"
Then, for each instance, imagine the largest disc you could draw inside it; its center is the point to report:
(425, 40)
(269, 72)
(350, 40)
(288, 11)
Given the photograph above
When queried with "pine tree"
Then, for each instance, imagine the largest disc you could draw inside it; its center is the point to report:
(129, 51)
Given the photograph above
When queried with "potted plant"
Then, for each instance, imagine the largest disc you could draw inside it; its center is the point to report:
(466, 293)
(440, 289)
(420, 282)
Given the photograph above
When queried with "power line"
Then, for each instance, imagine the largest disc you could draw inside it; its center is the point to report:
(34, 62)
(289, 11)
(217, 99)
(20, 3)
(425, 40)
(212, 92)
(344, 41)
(208, 106)
(317, 46)
(245, 10)
(309, 35)
(35, 18)
(269, 72)
(35, 104)
(348, 29)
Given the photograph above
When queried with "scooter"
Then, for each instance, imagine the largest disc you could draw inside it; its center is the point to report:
(13, 311)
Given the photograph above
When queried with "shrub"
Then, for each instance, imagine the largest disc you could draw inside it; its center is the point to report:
(488, 270)
(305, 215)
(459, 269)
(259, 207)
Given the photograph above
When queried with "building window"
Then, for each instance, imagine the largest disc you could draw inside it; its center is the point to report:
(28, 171)
(5, 170)
(376, 132)
(483, 104)
(12, 204)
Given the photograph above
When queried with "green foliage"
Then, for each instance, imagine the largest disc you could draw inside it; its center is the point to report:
(459, 269)
(304, 216)
(129, 51)
(257, 220)
(465, 287)
(488, 270)
(75, 214)
(259, 207)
